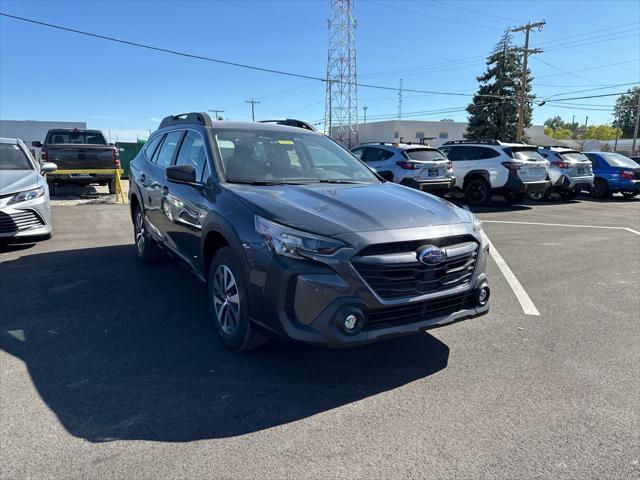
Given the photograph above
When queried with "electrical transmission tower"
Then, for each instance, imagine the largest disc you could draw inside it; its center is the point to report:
(341, 114)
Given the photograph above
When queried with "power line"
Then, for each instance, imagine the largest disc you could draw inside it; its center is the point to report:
(226, 62)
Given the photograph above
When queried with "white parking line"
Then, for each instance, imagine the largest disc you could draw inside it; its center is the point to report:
(563, 225)
(525, 301)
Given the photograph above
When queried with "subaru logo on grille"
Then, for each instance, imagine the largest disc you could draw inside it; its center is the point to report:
(432, 255)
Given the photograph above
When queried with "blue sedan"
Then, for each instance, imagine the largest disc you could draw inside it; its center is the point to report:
(614, 173)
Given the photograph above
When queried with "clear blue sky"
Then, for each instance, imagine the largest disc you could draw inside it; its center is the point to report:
(47, 74)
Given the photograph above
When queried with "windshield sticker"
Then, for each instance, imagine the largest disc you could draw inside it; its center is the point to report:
(285, 142)
(15, 147)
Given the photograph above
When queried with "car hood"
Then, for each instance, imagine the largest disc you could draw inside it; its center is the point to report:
(335, 209)
(13, 181)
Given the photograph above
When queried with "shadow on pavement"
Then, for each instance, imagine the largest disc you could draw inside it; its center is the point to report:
(118, 350)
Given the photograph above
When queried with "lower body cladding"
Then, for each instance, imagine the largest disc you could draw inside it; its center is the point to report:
(26, 219)
(442, 185)
(324, 307)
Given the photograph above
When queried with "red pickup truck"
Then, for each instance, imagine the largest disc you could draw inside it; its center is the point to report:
(76, 149)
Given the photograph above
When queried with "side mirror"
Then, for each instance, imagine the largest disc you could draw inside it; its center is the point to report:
(182, 173)
(48, 167)
(36, 143)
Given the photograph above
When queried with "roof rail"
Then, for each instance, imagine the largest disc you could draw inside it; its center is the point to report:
(181, 118)
(461, 142)
(292, 122)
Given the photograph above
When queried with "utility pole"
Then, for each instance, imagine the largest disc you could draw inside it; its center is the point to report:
(573, 128)
(216, 114)
(253, 108)
(617, 127)
(365, 113)
(523, 80)
(400, 101)
(586, 122)
(635, 130)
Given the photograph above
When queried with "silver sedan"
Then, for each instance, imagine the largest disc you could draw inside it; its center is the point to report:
(24, 195)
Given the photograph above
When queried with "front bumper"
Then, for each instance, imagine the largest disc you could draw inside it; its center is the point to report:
(308, 302)
(25, 219)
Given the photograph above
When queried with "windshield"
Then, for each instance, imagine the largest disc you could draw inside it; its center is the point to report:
(424, 154)
(573, 157)
(12, 157)
(250, 156)
(82, 138)
(617, 160)
(527, 154)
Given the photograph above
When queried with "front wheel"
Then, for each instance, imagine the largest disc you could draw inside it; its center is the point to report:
(513, 197)
(477, 192)
(540, 195)
(229, 303)
(629, 195)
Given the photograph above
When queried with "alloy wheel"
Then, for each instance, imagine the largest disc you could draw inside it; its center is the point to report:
(140, 233)
(226, 299)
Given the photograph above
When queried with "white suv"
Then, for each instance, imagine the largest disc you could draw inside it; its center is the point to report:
(413, 165)
(569, 171)
(485, 167)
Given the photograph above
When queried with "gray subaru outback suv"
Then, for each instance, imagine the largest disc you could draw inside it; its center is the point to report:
(294, 236)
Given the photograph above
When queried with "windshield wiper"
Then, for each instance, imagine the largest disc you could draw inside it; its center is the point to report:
(268, 182)
(322, 180)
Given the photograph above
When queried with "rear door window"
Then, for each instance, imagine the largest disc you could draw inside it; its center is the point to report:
(484, 153)
(150, 147)
(168, 149)
(372, 154)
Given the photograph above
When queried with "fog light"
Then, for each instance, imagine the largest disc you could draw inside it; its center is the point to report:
(350, 322)
(483, 296)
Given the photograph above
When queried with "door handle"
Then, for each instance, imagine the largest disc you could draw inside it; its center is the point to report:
(165, 190)
(143, 177)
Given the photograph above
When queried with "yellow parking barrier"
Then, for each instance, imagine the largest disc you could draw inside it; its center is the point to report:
(116, 172)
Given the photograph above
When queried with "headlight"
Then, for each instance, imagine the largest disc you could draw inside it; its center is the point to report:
(293, 243)
(477, 225)
(28, 195)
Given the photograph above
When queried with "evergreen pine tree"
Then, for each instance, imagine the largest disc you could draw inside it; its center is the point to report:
(495, 117)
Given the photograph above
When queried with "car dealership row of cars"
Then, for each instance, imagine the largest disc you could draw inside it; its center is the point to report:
(480, 168)
(293, 236)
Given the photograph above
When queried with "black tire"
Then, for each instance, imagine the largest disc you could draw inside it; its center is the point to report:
(146, 247)
(512, 197)
(52, 187)
(112, 186)
(228, 303)
(569, 194)
(540, 196)
(600, 188)
(477, 192)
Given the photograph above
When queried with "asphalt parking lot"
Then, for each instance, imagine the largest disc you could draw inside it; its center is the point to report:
(111, 368)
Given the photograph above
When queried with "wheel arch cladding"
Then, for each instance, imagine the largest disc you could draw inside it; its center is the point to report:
(477, 174)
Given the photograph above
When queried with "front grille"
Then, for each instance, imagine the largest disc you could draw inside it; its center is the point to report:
(411, 279)
(419, 311)
(400, 247)
(11, 223)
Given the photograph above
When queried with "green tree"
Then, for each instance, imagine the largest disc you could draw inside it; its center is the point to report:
(625, 111)
(493, 112)
(556, 122)
(601, 132)
(560, 133)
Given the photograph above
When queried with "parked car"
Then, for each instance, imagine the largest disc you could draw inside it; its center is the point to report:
(294, 236)
(483, 168)
(78, 149)
(24, 194)
(418, 166)
(614, 173)
(636, 158)
(569, 172)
